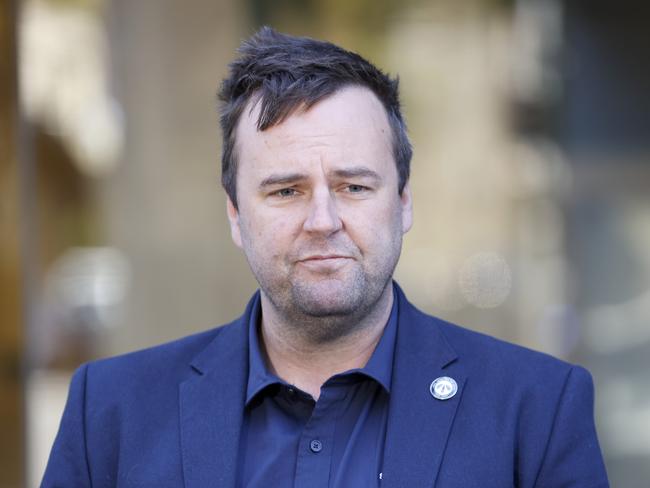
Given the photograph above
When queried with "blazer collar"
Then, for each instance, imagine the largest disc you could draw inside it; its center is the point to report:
(419, 424)
(212, 407)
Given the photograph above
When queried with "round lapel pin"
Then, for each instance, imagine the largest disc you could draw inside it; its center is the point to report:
(443, 388)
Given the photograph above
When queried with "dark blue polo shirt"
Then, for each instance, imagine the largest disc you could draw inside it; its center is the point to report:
(288, 439)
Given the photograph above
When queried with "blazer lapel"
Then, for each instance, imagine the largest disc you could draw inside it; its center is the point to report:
(212, 406)
(418, 424)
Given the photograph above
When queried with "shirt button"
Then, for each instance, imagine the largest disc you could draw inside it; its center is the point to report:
(316, 445)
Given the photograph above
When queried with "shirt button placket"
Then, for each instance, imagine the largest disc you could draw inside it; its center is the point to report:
(316, 444)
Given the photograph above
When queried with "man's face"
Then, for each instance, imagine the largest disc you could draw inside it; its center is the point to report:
(319, 215)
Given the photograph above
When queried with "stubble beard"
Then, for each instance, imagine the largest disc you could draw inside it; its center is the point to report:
(329, 309)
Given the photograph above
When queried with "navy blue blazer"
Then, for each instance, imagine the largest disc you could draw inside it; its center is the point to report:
(170, 416)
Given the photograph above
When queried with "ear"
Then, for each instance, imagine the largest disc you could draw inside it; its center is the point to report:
(407, 208)
(233, 218)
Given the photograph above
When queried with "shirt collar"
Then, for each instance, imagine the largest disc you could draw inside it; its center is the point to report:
(259, 377)
(379, 366)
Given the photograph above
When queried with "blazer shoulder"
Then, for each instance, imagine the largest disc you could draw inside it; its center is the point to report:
(484, 353)
(144, 367)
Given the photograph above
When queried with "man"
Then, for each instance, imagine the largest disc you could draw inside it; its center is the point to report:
(331, 378)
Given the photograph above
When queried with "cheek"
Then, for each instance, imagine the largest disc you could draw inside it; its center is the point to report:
(269, 236)
(374, 219)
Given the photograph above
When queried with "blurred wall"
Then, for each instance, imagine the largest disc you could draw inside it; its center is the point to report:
(11, 332)
(606, 133)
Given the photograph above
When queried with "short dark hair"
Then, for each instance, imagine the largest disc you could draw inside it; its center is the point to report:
(287, 72)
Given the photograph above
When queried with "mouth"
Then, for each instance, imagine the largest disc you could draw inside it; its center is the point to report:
(325, 262)
(326, 257)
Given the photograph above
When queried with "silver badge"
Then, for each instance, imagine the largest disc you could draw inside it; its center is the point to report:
(443, 388)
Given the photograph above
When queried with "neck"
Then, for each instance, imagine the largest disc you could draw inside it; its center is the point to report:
(307, 363)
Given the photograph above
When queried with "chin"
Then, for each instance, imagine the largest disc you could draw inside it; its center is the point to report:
(328, 298)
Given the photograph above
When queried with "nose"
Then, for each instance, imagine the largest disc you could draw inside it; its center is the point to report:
(323, 216)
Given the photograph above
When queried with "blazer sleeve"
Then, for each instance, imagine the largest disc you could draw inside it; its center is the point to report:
(68, 464)
(573, 458)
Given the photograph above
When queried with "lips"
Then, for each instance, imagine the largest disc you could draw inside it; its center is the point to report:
(325, 262)
(326, 257)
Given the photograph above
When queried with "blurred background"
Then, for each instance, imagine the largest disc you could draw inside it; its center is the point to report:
(530, 121)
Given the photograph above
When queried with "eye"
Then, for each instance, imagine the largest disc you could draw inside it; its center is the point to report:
(285, 192)
(356, 188)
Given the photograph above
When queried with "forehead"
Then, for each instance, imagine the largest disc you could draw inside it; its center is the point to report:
(350, 126)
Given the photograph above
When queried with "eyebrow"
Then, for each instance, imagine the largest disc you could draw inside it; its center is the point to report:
(357, 172)
(282, 179)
